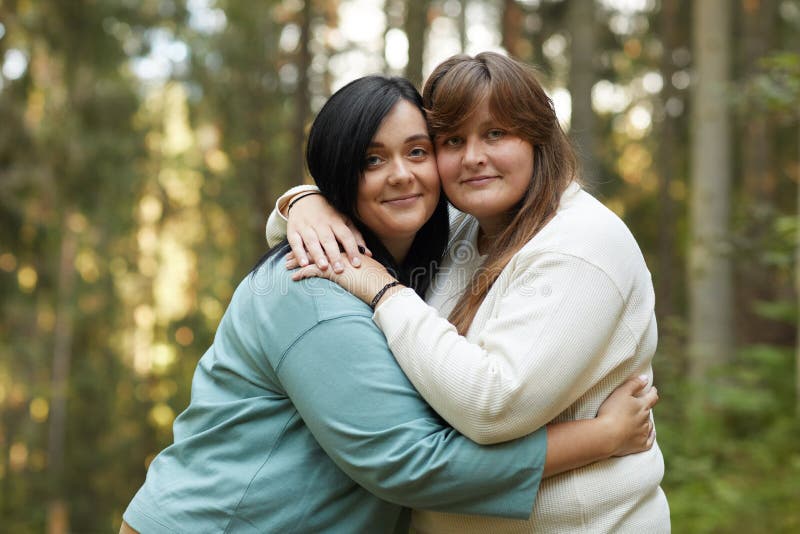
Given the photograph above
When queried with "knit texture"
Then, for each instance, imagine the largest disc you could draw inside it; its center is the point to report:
(570, 319)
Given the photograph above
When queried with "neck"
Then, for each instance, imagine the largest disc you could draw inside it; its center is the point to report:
(490, 228)
(398, 248)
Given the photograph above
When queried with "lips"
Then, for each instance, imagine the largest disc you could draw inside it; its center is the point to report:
(479, 180)
(402, 200)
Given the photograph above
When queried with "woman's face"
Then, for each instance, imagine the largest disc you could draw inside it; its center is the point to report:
(485, 169)
(400, 186)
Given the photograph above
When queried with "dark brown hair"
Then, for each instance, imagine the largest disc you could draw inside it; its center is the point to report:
(519, 103)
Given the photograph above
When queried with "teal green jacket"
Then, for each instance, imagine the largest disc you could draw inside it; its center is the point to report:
(301, 421)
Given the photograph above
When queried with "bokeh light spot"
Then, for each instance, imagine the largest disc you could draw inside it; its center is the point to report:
(8, 262)
(162, 415)
(27, 278)
(184, 336)
(39, 409)
(18, 456)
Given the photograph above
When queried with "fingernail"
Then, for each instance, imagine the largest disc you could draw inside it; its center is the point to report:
(356, 262)
(303, 261)
(337, 267)
(643, 378)
(322, 264)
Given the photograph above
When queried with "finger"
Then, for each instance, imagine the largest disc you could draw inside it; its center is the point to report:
(650, 398)
(290, 261)
(360, 239)
(651, 438)
(345, 236)
(634, 385)
(309, 271)
(361, 243)
(329, 244)
(296, 243)
(315, 252)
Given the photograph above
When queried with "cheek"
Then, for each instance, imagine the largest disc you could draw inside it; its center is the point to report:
(363, 205)
(522, 154)
(448, 167)
(436, 191)
(431, 175)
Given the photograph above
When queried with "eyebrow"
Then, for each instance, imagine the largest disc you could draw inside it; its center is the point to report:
(416, 137)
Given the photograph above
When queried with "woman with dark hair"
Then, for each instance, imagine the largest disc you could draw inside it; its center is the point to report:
(300, 420)
(330, 155)
(548, 302)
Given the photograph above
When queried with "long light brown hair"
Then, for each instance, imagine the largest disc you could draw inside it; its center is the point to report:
(519, 103)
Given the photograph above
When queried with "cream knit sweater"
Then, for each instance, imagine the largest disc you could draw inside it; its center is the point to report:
(569, 319)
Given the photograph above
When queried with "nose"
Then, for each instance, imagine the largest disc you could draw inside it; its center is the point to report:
(401, 173)
(474, 156)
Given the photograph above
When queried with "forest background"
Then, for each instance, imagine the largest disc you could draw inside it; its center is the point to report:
(142, 144)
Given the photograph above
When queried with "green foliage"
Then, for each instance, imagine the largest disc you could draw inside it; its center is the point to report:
(732, 464)
(778, 87)
(162, 186)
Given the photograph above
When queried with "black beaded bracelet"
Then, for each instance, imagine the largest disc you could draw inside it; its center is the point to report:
(380, 293)
(300, 196)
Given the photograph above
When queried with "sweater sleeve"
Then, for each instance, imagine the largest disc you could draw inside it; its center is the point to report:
(275, 230)
(544, 345)
(372, 423)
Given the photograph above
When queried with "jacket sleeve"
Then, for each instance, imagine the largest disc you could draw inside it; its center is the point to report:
(368, 418)
(545, 344)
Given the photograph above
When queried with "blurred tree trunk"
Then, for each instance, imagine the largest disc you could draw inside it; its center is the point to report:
(581, 22)
(797, 279)
(391, 24)
(415, 25)
(755, 280)
(512, 27)
(301, 96)
(709, 271)
(668, 165)
(462, 25)
(57, 512)
(758, 20)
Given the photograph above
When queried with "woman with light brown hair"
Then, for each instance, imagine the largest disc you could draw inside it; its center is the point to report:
(548, 301)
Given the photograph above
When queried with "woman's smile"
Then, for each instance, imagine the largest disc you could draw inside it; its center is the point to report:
(403, 201)
(479, 181)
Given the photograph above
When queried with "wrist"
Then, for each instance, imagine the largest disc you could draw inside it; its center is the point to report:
(298, 197)
(374, 281)
(283, 201)
(610, 435)
(387, 294)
